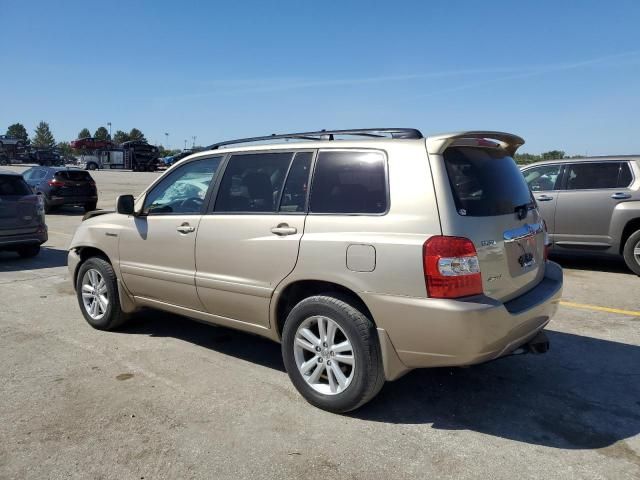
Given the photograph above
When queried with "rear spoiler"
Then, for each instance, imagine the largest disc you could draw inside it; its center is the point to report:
(439, 143)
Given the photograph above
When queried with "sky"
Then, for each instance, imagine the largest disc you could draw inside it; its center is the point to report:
(563, 75)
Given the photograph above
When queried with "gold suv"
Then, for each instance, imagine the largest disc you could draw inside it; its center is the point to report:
(366, 253)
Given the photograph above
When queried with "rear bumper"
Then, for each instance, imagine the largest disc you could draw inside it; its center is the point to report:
(14, 241)
(57, 201)
(424, 332)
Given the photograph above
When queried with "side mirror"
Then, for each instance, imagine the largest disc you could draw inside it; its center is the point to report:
(125, 205)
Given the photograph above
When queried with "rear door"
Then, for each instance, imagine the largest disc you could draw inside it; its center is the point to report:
(585, 205)
(483, 196)
(19, 213)
(249, 242)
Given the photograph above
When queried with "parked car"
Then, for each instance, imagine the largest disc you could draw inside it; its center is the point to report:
(46, 157)
(139, 146)
(8, 141)
(90, 143)
(591, 205)
(63, 186)
(170, 160)
(364, 258)
(22, 224)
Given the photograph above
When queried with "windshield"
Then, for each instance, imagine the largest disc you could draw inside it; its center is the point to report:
(485, 182)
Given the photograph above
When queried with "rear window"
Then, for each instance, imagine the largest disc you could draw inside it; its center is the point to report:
(11, 186)
(73, 175)
(485, 182)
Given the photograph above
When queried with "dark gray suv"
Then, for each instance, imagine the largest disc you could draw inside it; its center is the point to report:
(591, 205)
(22, 227)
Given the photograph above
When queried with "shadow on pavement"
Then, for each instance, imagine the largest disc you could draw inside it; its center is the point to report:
(251, 348)
(583, 394)
(47, 258)
(595, 263)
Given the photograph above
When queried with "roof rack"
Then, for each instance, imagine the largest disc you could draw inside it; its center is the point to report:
(404, 133)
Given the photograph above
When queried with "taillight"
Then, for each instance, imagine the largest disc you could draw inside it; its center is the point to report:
(55, 183)
(451, 267)
(547, 242)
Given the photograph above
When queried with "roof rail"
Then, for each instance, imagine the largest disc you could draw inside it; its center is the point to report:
(439, 143)
(327, 135)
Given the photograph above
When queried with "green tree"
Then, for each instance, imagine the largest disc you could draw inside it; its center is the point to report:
(136, 134)
(43, 136)
(17, 130)
(102, 134)
(553, 155)
(65, 148)
(120, 137)
(84, 133)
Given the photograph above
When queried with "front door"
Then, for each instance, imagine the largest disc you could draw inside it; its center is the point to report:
(249, 242)
(157, 247)
(543, 181)
(585, 206)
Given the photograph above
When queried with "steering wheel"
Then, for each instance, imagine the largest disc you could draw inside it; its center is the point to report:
(191, 203)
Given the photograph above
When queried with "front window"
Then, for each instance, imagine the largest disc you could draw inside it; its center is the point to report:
(184, 190)
(542, 178)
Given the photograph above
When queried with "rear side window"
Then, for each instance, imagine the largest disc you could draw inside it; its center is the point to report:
(74, 176)
(592, 175)
(485, 182)
(624, 178)
(11, 186)
(253, 182)
(349, 182)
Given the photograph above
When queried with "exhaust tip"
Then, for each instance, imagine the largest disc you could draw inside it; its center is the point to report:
(538, 344)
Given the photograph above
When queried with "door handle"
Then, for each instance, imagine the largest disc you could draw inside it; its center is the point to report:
(620, 196)
(284, 229)
(186, 228)
(544, 198)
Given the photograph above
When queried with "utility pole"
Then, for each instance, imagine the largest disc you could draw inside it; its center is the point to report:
(109, 123)
(166, 136)
(185, 145)
(194, 141)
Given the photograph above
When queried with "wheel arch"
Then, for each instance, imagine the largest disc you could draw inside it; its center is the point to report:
(86, 253)
(630, 227)
(294, 292)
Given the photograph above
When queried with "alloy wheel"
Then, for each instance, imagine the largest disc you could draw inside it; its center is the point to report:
(324, 355)
(95, 295)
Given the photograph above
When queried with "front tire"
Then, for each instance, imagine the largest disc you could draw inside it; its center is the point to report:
(631, 252)
(97, 292)
(332, 354)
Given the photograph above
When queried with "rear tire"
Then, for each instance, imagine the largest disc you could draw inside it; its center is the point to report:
(90, 207)
(631, 252)
(97, 293)
(28, 251)
(362, 374)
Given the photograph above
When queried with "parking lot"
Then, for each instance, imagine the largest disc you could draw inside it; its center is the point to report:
(167, 397)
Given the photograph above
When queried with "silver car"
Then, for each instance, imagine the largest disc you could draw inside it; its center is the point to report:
(366, 253)
(591, 205)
